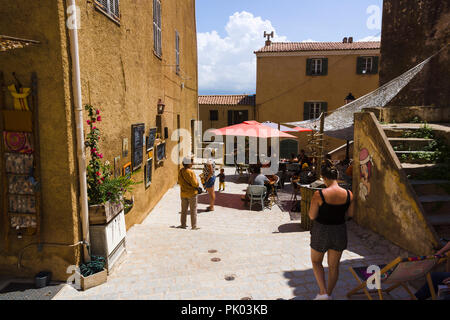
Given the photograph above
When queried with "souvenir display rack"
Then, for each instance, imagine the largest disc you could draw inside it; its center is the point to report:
(20, 157)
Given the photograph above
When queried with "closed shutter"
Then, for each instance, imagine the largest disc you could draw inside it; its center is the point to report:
(375, 65)
(309, 67)
(359, 65)
(230, 117)
(306, 111)
(324, 67)
(157, 43)
(324, 106)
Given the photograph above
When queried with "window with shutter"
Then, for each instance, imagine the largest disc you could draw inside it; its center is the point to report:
(177, 51)
(367, 65)
(306, 108)
(157, 34)
(109, 7)
(316, 67)
(213, 115)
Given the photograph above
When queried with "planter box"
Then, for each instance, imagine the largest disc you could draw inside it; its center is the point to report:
(109, 240)
(94, 280)
(104, 213)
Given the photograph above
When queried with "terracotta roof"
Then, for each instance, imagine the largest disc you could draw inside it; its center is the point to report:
(10, 43)
(318, 46)
(228, 100)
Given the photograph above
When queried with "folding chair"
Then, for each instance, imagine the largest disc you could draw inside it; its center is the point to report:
(397, 273)
(295, 191)
(257, 193)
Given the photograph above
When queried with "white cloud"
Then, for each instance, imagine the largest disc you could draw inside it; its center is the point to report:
(370, 38)
(309, 40)
(228, 64)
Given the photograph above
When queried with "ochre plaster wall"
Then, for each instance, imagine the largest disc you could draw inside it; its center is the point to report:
(123, 77)
(44, 21)
(283, 86)
(223, 115)
(391, 208)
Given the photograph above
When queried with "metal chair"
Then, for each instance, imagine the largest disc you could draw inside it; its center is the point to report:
(258, 193)
(295, 190)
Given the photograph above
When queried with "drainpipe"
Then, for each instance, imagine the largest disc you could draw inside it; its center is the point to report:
(76, 84)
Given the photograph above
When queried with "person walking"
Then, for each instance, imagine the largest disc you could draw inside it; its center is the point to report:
(209, 175)
(222, 180)
(188, 191)
(328, 211)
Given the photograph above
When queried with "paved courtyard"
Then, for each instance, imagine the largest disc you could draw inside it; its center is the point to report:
(265, 252)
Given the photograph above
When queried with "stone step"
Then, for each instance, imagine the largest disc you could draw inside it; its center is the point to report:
(416, 156)
(414, 169)
(409, 143)
(431, 187)
(439, 219)
(435, 204)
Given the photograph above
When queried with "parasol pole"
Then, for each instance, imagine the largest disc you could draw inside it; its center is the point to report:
(320, 155)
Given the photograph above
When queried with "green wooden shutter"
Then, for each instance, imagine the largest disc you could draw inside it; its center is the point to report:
(308, 67)
(375, 65)
(324, 106)
(359, 65)
(306, 111)
(324, 67)
(230, 117)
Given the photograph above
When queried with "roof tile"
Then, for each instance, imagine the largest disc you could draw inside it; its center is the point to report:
(228, 100)
(318, 46)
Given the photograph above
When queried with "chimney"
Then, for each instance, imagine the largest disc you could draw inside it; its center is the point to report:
(345, 40)
(350, 40)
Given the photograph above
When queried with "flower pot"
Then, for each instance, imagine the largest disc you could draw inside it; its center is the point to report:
(104, 213)
(93, 280)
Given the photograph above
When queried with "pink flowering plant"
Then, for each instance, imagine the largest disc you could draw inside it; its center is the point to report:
(102, 186)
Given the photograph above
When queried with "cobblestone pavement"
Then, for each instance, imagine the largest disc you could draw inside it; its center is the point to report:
(265, 252)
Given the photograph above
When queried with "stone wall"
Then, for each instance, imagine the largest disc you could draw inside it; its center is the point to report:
(412, 31)
(385, 202)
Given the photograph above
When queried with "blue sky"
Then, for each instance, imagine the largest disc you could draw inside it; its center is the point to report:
(229, 32)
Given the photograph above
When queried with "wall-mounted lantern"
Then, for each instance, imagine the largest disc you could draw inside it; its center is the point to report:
(161, 107)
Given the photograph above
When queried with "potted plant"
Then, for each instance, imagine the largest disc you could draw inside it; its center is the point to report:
(93, 273)
(105, 192)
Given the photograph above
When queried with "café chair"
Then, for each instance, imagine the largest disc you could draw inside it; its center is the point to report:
(397, 273)
(258, 193)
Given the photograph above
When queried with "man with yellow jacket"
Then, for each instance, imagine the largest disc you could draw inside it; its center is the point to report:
(189, 189)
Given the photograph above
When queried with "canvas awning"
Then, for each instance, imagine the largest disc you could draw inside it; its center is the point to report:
(10, 43)
(251, 129)
(339, 124)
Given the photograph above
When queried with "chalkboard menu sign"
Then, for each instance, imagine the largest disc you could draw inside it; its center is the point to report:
(151, 139)
(137, 145)
(148, 173)
(161, 152)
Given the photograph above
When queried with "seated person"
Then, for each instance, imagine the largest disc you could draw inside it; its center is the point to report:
(257, 179)
(293, 159)
(438, 278)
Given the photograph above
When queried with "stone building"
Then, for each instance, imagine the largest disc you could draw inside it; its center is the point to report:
(218, 111)
(412, 31)
(297, 81)
(134, 56)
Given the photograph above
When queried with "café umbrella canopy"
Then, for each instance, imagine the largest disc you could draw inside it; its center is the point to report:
(251, 129)
(285, 128)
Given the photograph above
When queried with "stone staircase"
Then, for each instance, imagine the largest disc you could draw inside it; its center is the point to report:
(429, 179)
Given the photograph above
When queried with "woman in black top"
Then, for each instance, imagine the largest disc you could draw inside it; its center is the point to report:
(328, 211)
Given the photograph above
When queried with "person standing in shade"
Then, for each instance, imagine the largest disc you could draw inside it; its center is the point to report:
(209, 175)
(328, 211)
(188, 191)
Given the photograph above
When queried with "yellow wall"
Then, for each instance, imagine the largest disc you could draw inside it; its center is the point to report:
(223, 115)
(391, 208)
(122, 57)
(123, 78)
(44, 21)
(283, 87)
